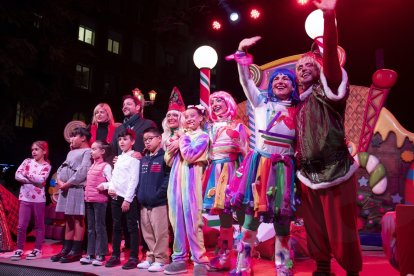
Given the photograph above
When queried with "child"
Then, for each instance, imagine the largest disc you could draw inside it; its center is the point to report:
(152, 195)
(32, 174)
(228, 147)
(96, 202)
(172, 123)
(71, 178)
(121, 188)
(185, 195)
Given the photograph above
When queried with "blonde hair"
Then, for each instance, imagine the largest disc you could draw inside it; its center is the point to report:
(108, 111)
(167, 131)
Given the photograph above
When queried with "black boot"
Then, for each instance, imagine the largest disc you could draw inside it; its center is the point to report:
(75, 254)
(67, 246)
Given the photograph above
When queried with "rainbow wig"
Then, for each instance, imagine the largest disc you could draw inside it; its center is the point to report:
(292, 76)
(230, 103)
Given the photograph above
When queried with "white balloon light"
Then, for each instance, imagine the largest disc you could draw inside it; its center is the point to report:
(234, 16)
(205, 57)
(314, 24)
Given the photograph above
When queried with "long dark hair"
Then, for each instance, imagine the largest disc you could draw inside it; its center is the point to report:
(108, 156)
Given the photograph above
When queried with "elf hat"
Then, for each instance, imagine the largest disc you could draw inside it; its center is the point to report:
(176, 101)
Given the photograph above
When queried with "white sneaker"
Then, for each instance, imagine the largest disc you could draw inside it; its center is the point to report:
(18, 254)
(88, 259)
(156, 267)
(144, 265)
(35, 254)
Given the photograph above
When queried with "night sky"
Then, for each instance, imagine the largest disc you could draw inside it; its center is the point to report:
(364, 26)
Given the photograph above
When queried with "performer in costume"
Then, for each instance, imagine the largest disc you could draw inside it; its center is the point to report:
(327, 169)
(185, 194)
(228, 145)
(265, 181)
(172, 123)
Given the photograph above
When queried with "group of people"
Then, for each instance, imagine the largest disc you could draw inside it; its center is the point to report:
(202, 161)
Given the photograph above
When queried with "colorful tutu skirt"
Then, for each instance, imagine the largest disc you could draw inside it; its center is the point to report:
(216, 181)
(264, 185)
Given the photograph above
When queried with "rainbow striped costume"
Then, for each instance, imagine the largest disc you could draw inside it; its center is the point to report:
(228, 144)
(265, 180)
(185, 196)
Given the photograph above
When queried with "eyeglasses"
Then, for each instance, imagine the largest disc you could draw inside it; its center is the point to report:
(149, 139)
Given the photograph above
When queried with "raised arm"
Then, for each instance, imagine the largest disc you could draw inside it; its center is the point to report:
(250, 89)
(331, 66)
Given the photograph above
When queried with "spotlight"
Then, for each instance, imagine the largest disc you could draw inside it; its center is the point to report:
(303, 2)
(216, 25)
(254, 13)
(234, 16)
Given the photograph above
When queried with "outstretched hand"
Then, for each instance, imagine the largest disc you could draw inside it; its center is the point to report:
(325, 5)
(248, 42)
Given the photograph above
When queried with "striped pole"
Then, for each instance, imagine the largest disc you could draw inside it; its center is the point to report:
(204, 86)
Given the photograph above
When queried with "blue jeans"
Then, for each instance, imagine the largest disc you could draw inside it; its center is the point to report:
(97, 236)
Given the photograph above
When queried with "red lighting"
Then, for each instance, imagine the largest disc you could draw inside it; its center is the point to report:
(303, 2)
(216, 25)
(254, 13)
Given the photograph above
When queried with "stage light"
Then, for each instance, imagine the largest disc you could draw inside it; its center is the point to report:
(216, 25)
(303, 2)
(234, 16)
(314, 24)
(254, 13)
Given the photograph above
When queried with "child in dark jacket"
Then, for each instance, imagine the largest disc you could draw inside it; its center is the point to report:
(152, 195)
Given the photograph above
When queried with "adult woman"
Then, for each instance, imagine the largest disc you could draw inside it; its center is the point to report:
(103, 124)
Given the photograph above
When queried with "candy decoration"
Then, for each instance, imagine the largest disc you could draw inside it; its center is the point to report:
(71, 127)
(376, 170)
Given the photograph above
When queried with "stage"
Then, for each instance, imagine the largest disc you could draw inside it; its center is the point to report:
(374, 259)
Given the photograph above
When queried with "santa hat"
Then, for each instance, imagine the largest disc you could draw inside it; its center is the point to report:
(176, 101)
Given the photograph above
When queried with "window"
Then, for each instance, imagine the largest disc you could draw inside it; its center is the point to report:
(83, 77)
(113, 46)
(86, 35)
(22, 120)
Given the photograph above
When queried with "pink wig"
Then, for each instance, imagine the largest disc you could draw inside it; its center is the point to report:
(230, 103)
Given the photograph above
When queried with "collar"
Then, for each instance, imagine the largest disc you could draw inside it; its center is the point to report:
(131, 120)
(130, 153)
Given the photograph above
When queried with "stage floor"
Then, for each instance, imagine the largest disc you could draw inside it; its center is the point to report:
(375, 263)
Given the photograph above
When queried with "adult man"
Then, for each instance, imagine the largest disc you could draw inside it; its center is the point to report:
(131, 107)
(326, 168)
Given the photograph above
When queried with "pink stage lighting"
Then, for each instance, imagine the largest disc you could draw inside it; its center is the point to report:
(254, 13)
(303, 2)
(216, 25)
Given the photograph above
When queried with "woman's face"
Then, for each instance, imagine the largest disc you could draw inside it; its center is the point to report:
(173, 120)
(101, 116)
(282, 86)
(192, 119)
(218, 106)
